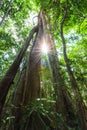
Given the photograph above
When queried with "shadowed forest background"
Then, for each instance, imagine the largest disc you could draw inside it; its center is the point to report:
(43, 65)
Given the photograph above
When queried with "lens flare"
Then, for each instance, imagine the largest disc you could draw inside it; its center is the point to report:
(44, 48)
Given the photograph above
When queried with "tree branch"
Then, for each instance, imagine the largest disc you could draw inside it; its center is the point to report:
(5, 14)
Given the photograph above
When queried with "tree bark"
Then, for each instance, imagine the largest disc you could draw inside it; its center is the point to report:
(7, 80)
(81, 111)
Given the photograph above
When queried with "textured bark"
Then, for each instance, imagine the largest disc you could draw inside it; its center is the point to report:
(10, 75)
(81, 109)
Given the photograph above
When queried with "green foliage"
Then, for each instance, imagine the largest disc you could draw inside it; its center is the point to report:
(13, 32)
(42, 114)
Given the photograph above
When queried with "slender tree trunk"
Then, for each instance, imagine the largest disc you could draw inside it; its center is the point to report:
(6, 13)
(79, 102)
(7, 80)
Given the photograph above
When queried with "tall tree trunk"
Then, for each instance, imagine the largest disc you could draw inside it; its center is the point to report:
(81, 111)
(32, 84)
(28, 88)
(63, 98)
(10, 75)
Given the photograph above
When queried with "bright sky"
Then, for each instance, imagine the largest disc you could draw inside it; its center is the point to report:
(44, 48)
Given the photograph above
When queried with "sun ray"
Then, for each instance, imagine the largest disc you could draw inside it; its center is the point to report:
(44, 48)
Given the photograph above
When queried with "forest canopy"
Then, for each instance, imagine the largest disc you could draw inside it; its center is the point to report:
(43, 64)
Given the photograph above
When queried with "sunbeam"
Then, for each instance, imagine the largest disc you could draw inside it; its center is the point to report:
(44, 48)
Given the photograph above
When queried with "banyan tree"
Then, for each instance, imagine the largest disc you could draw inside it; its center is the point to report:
(24, 79)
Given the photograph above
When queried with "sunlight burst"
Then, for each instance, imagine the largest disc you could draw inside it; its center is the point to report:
(44, 48)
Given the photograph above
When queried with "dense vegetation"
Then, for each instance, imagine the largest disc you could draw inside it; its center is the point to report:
(43, 91)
